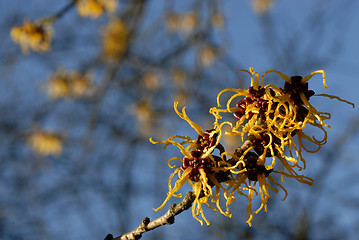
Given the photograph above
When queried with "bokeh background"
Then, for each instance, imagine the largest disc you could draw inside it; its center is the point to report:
(104, 176)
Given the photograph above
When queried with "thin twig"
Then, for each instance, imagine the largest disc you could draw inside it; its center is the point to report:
(167, 218)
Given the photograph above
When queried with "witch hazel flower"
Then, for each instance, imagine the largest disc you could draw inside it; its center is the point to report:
(199, 167)
(274, 119)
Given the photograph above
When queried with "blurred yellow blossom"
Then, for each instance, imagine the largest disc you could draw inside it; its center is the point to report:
(151, 80)
(45, 143)
(145, 115)
(33, 35)
(95, 8)
(217, 20)
(181, 22)
(68, 84)
(178, 77)
(81, 85)
(115, 38)
(207, 56)
(262, 6)
(188, 22)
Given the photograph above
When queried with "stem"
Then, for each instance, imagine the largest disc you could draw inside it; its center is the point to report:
(65, 9)
(53, 18)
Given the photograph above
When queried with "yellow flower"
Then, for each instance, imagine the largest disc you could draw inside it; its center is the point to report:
(251, 169)
(293, 113)
(68, 84)
(249, 111)
(276, 116)
(95, 8)
(33, 35)
(115, 39)
(200, 168)
(273, 119)
(45, 143)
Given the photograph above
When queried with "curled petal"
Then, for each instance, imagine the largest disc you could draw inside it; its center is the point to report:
(281, 75)
(278, 184)
(335, 97)
(306, 78)
(179, 183)
(256, 81)
(184, 116)
(249, 72)
(240, 92)
(168, 142)
(174, 158)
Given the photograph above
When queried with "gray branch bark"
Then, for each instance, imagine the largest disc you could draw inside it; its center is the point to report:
(167, 218)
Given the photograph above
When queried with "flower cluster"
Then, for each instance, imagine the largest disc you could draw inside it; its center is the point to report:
(199, 166)
(181, 22)
(45, 143)
(33, 35)
(68, 84)
(272, 120)
(95, 8)
(115, 39)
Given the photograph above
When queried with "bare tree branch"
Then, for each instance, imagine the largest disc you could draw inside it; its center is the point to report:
(167, 218)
